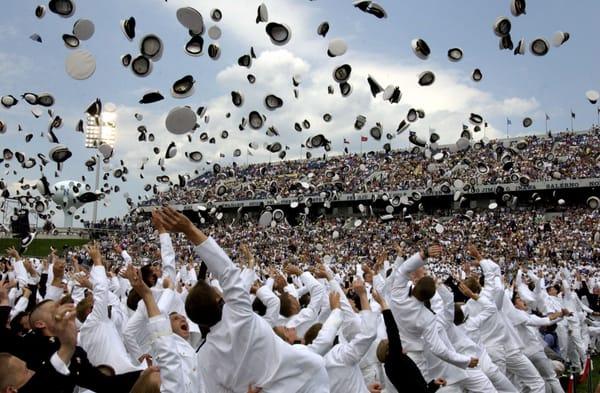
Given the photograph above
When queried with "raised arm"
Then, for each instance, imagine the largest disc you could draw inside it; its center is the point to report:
(393, 334)
(218, 263)
(324, 341)
(271, 301)
(100, 281)
(167, 253)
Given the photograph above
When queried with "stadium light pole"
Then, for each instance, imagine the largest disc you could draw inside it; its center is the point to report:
(100, 130)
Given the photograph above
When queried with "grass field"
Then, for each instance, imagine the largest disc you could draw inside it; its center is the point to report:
(41, 247)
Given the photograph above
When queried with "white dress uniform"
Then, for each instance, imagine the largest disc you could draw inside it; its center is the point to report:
(99, 336)
(176, 358)
(342, 361)
(243, 350)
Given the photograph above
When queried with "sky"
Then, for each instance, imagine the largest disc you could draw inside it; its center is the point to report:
(513, 87)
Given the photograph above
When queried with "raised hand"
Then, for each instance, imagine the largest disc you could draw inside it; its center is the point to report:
(58, 268)
(171, 220)
(320, 271)
(474, 252)
(467, 291)
(11, 252)
(94, 252)
(156, 221)
(135, 279)
(379, 262)
(83, 281)
(359, 287)
(175, 222)
(379, 299)
(399, 250)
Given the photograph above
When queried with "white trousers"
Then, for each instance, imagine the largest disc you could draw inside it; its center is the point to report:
(476, 382)
(546, 370)
(524, 371)
(496, 376)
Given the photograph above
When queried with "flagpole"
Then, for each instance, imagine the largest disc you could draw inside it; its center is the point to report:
(572, 129)
(598, 114)
(507, 124)
(546, 124)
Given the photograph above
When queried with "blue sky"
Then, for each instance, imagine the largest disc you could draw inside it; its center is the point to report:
(513, 86)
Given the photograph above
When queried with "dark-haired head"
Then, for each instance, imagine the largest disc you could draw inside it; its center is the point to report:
(204, 305)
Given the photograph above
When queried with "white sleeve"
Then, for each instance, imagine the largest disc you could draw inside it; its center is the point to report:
(350, 354)
(317, 292)
(219, 264)
(164, 353)
(53, 293)
(271, 302)
(130, 333)
(100, 281)
(59, 365)
(21, 273)
(21, 305)
(248, 277)
(126, 257)
(440, 349)
(324, 341)
(167, 254)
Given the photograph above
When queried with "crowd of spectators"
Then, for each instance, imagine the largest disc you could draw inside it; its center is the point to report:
(529, 159)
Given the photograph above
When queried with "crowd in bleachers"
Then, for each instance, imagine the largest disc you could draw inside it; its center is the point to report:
(529, 159)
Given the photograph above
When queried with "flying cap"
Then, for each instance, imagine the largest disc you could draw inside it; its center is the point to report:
(80, 64)
(279, 33)
(180, 120)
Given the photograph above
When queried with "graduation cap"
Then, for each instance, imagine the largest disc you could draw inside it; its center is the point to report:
(342, 73)
(455, 54)
(8, 101)
(191, 19)
(426, 78)
(214, 32)
(64, 8)
(180, 120)
(273, 102)
(323, 29)
(80, 64)
(214, 51)
(279, 33)
(150, 98)
(184, 87)
(539, 47)
(128, 28)
(262, 13)
(83, 29)
(337, 47)
(194, 46)
(420, 48)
